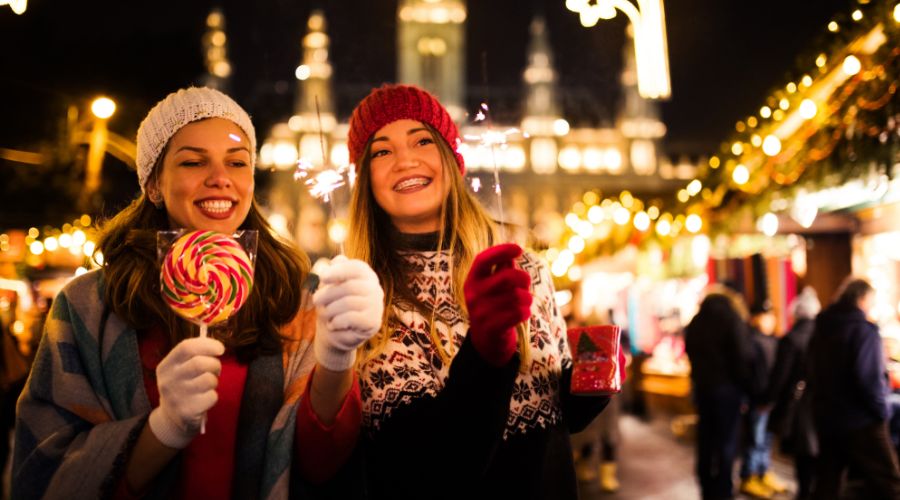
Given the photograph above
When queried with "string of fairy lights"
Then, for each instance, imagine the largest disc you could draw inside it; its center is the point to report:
(832, 123)
(71, 246)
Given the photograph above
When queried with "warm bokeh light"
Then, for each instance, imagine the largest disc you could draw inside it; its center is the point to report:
(806, 81)
(683, 195)
(737, 149)
(714, 162)
(821, 60)
(576, 244)
(768, 224)
(663, 227)
(897, 12)
(833, 27)
(641, 221)
(621, 216)
(851, 65)
(51, 244)
(784, 103)
(808, 109)
(36, 247)
(302, 72)
(337, 231)
(103, 107)
(595, 214)
(560, 127)
(740, 175)
(771, 145)
(693, 223)
(857, 15)
(765, 112)
(694, 187)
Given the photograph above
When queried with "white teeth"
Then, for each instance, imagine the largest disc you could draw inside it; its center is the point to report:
(408, 183)
(216, 205)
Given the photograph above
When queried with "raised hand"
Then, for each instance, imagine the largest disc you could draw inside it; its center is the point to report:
(350, 305)
(498, 299)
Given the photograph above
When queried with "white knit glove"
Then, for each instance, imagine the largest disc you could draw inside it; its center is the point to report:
(187, 378)
(349, 306)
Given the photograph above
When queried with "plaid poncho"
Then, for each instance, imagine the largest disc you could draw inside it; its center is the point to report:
(81, 411)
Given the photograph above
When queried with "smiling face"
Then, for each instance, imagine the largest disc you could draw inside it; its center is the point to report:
(407, 176)
(206, 180)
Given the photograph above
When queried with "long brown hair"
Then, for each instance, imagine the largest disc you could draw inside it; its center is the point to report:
(132, 291)
(465, 230)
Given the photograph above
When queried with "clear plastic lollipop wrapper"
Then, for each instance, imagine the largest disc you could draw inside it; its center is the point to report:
(205, 276)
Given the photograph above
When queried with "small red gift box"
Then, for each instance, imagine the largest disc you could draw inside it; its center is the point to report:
(595, 354)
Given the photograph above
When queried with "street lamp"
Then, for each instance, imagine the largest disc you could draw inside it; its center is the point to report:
(650, 49)
(102, 108)
(17, 6)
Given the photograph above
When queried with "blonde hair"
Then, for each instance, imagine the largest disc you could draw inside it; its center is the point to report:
(465, 229)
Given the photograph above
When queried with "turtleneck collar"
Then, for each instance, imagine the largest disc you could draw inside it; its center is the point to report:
(420, 242)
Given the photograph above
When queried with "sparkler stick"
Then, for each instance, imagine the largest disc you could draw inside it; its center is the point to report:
(492, 139)
(322, 183)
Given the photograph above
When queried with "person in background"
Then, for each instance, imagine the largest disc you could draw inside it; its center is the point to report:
(721, 352)
(791, 419)
(850, 390)
(756, 477)
(120, 384)
(465, 388)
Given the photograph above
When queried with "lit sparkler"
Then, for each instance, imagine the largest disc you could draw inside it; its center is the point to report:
(320, 183)
(493, 140)
(324, 181)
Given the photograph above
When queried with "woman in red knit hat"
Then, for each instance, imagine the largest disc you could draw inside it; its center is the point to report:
(460, 397)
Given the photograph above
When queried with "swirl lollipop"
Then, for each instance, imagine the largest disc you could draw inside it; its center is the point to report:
(205, 278)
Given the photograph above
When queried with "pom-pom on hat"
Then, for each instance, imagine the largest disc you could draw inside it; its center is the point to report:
(390, 103)
(177, 110)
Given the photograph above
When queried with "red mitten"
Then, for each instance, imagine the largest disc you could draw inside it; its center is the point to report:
(498, 299)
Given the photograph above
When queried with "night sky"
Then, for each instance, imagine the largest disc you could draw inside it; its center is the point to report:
(725, 57)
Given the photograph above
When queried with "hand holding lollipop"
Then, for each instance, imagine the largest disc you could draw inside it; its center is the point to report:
(205, 278)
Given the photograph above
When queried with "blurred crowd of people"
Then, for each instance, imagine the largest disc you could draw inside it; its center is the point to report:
(821, 391)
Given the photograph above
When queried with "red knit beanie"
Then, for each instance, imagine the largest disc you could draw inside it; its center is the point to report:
(392, 102)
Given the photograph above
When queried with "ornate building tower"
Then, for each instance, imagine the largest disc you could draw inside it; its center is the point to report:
(215, 52)
(542, 119)
(431, 49)
(314, 85)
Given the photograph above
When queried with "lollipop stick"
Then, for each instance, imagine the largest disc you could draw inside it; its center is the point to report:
(203, 329)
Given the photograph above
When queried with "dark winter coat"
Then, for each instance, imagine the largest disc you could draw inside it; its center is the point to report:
(792, 415)
(848, 374)
(719, 347)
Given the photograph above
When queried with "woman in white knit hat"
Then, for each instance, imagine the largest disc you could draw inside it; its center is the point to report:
(120, 384)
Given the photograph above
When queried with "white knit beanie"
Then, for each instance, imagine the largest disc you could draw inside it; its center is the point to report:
(177, 110)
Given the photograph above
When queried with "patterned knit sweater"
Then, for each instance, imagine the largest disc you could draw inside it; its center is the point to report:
(432, 429)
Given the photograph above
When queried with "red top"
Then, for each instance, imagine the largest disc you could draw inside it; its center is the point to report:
(208, 461)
